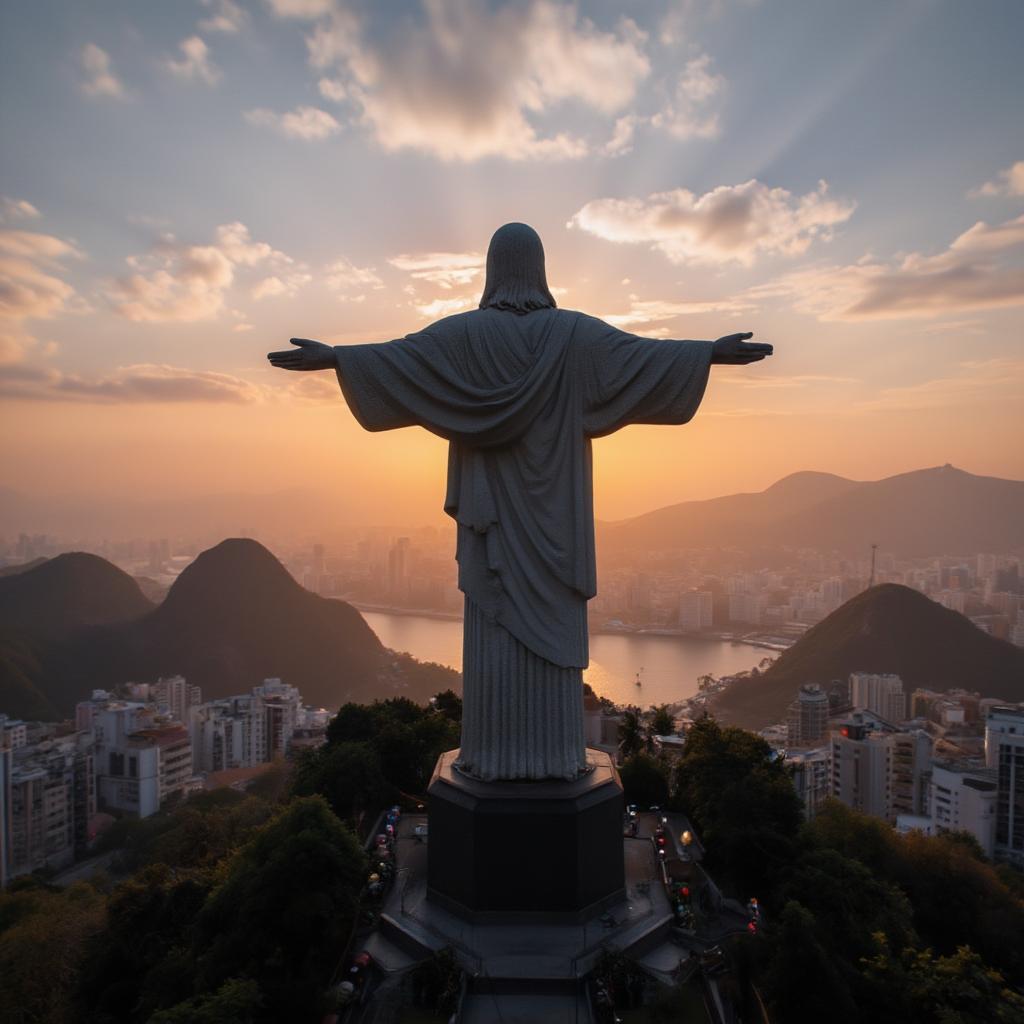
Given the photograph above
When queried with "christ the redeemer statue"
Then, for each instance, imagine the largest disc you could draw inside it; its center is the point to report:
(519, 388)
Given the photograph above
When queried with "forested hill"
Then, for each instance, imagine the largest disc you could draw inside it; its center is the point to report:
(232, 618)
(888, 628)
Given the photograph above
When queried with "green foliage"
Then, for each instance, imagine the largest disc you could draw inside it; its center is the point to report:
(662, 722)
(800, 978)
(195, 833)
(43, 932)
(632, 739)
(742, 802)
(141, 961)
(920, 986)
(284, 909)
(235, 1002)
(645, 781)
(436, 983)
(449, 704)
(957, 899)
(406, 739)
(348, 775)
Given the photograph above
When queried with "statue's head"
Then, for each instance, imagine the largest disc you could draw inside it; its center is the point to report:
(515, 271)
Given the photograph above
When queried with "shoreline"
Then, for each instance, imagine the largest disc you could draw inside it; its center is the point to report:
(644, 631)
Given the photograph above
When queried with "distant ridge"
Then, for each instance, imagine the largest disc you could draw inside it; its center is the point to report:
(232, 618)
(56, 596)
(888, 628)
(935, 511)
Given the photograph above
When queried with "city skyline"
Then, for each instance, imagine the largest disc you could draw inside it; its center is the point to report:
(196, 184)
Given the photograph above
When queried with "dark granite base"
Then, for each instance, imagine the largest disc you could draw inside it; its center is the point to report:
(506, 850)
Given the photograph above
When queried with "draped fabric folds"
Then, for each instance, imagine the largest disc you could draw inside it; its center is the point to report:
(519, 397)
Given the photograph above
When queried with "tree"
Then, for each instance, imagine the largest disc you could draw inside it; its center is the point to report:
(742, 801)
(283, 910)
(449, 704)
(631, 734)
(237, 1001)
(644, 781)
(43, 936)
(918, 985)
(799, 977)
(662, 722)
(347, 775)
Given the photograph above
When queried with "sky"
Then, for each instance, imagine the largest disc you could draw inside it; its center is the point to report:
(187, 185)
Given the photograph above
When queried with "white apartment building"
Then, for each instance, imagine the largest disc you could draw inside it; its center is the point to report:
(880, 770)
(229, 733)
(882, 694)
(145, 769)
(962, 797)
(282, 703)
(1004, 752)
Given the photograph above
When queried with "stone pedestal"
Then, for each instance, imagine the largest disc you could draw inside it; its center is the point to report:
(504, 850)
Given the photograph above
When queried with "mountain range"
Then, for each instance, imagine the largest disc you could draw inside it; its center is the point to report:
(887, 628)
(233, 617)
(936, 511)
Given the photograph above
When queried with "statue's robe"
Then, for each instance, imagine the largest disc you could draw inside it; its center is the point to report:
(519, 397)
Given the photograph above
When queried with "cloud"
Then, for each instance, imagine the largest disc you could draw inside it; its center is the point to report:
(143, 382)
(99, 79)
(469, 80)
(304, 9)
(653, 311)
(286, 285)
(332, 89)
(685, 115)
(621, 141)
(1007, 183)
(195, 64)
(309, 123)
(227, 17)
(29, 286)
(16, 209)
(183, 283)
(982, 237)
(437, 308)
(966, 276)
(237, 245)
(343, 276)
(447, 269)
(731, 223)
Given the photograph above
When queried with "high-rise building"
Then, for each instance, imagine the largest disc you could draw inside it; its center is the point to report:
(811, 777)
(282, 703)
(177, 695)
(695, 610)
(882, 694)
(962, 797)
(807, 721)
(229, 733)
(878, 769)
(1004, 751)
(49, 800)
(145, 769)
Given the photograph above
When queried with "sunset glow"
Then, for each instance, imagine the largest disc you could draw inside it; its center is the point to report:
(188, 185)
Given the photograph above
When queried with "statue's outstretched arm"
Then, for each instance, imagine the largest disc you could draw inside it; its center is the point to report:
(734, 349)
(307, 355)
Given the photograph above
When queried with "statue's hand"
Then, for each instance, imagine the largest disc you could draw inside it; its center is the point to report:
(735, 350)
(309, 355)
